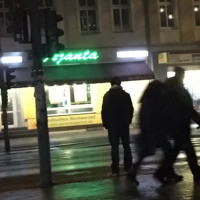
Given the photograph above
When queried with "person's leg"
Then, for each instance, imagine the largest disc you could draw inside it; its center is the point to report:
(142, 152)
(165, 173)
(192, 159)
(125, 138)
(114, 142)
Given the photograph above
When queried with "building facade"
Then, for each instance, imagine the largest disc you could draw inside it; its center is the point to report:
(99, 30)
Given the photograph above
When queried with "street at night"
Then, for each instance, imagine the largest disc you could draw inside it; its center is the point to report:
(80, 169)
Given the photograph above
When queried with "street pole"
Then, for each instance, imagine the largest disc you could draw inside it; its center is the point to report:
(4, 98)
(4, 105)
(40, 98)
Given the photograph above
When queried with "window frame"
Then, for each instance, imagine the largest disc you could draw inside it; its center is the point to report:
(166, 4)
(72, 107)
(88, 8)
(195, 3)
(121, 7)
(44, 6)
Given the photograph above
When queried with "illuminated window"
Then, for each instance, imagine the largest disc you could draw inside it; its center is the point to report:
(68, 99)
(88, 21)
(197, 12)
(166, 10)
(5, 19)
(80, 94)
(121, 15)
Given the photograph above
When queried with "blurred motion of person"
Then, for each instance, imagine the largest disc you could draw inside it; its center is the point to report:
(152, 129)
(179, 113)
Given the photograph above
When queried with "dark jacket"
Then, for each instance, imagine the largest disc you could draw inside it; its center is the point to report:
(179, 108)
(151, 119)
(117, 108)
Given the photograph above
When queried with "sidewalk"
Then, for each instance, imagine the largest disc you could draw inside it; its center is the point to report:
(107, 188)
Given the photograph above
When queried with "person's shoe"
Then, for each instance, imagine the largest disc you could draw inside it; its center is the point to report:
(172, 178)
(175, 177)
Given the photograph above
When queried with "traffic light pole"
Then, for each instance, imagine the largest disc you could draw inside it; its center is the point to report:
(4, 105)
(4, 97)
(41, 110)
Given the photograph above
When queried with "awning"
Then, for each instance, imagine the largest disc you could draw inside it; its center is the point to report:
(97, 73)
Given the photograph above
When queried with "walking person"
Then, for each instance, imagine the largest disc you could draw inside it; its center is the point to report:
(117, 113)
(180, 112)
(152, 129)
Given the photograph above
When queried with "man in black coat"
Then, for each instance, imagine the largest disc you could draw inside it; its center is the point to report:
(117, 113)
(179, 113)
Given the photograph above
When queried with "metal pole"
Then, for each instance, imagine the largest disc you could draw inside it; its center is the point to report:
(4, 100)
(41, 110)
(4, 97)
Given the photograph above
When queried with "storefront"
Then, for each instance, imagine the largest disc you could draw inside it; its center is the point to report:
(75, 83)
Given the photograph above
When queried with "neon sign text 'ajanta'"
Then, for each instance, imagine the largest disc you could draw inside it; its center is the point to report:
(69, 57)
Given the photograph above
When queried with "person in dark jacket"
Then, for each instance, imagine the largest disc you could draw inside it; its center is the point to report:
(117, 113)
(179, 113)
(152, 128)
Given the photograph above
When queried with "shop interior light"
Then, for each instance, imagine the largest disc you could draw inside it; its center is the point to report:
(11, 59)
(132, 54)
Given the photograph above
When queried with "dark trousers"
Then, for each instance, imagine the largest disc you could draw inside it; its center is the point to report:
(162, 143)
(183, 142)
(114, 135)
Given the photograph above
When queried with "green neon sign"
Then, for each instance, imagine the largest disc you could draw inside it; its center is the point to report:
(63, 58)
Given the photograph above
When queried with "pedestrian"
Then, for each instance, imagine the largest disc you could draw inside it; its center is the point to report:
(179, 112)
(152, 128)
(117, 113)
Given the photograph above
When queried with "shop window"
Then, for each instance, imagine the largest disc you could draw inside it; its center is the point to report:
(80, 94)
(5, 19)
(121, 15)
(62, 100)
(166, 9)
(197, 12)
(88, 18)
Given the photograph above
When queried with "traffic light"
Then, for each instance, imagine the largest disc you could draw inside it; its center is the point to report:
(53, 33)
(10, 78)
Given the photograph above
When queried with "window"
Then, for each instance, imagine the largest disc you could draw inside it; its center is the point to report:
(5, 19)
(166, 9)
(68, 99)
(45, 3)
(197, 12)
(88, 21)
(121, 15)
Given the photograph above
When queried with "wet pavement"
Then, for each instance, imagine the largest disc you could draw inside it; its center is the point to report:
(77, 180)
(109, 189)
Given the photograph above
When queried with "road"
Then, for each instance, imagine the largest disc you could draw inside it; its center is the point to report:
(80, 167)
(74, 154)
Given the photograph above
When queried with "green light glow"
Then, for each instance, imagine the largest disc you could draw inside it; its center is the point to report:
(45, 60)
(63, 58)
